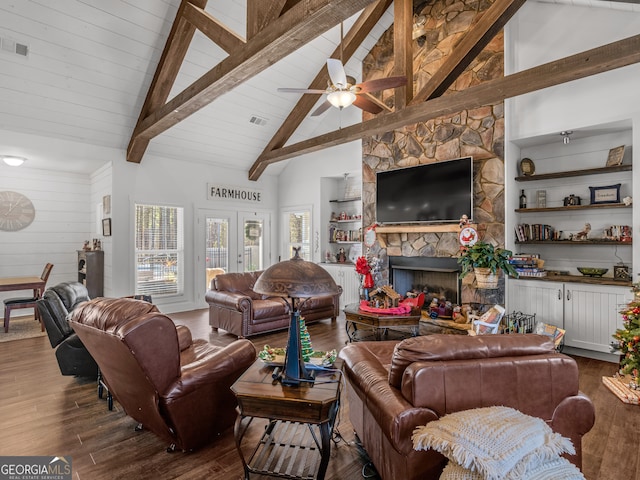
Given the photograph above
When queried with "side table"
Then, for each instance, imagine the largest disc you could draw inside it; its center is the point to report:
(297, 440)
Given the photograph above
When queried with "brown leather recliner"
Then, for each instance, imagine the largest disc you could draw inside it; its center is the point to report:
(176, 387)
(394, 387)
(236, 308)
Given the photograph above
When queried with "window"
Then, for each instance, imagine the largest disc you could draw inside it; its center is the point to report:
(159, 250)
(297, 224)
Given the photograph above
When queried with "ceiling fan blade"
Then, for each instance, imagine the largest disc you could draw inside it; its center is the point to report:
(337, 73)
(324, 106)
(381, 84)
(300, 90)
(367, 105)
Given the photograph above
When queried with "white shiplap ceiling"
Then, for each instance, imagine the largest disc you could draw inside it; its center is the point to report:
(90, 64)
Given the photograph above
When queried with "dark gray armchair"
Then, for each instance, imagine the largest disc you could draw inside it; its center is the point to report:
(54, 306)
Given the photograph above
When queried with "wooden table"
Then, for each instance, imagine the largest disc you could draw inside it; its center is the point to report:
(22, 283)
(289, 446)
(379, 322)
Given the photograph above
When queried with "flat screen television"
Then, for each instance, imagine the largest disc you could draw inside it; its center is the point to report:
(430, 193)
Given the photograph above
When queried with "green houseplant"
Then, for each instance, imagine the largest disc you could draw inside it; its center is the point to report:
(486, 261)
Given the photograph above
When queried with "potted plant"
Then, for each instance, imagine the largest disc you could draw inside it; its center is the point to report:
(486, 261)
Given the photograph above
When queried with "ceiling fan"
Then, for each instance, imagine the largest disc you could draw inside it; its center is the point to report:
(342, 91)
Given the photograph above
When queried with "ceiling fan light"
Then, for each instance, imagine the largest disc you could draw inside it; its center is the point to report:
(341, 98)
(13, 161)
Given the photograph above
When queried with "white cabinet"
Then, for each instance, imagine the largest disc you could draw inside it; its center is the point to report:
(588, 313)
(591, 314)
(545, 299)
(348, 279)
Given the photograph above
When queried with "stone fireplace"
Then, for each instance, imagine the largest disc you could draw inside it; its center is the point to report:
(434, 276)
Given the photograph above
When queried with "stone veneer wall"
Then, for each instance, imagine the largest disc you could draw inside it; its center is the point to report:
(478, 133)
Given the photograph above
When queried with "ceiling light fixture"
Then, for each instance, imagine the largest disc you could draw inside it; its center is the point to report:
(13, 161)
(341, 98)
(565, 136)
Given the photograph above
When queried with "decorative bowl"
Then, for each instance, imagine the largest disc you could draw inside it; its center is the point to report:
(593, 271)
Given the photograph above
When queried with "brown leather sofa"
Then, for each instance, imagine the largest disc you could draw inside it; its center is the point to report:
(236, 308)
(176, 387)
(394, 387)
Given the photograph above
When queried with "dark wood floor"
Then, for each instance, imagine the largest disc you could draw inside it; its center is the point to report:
(44, 413)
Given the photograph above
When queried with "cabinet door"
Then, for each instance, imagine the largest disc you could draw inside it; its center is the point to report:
(592, 315)
(539, 297)
(347, 278)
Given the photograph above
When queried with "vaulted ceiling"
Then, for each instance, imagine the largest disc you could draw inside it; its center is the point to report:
(90, 64)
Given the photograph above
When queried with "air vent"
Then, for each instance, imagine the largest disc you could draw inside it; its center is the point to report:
(258, 120)
(14, 47)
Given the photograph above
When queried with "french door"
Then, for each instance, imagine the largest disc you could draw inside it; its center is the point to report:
(231, 241)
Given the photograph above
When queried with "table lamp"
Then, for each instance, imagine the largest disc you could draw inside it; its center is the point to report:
(298, 280)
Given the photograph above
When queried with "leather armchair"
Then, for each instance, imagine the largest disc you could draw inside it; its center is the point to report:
(177, 387)
(393, 388)
(54, 307)
(236, 308)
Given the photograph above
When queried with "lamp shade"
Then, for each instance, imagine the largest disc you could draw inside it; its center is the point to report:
(295, 278)
(341, 99)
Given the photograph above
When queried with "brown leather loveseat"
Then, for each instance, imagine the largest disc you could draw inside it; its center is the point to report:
(236, 308)
(394, 387)
(176, 387)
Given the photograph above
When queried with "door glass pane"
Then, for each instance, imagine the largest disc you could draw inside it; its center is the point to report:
(298, 233)
(216, 247)
(253, 251)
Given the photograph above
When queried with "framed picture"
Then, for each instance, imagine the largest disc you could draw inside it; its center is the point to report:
(106, 205)
(615, 156)
(608, 194)
(106, 227)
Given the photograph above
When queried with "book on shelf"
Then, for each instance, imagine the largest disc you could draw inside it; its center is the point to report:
(526, 232)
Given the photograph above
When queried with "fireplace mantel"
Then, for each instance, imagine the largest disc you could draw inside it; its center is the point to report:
(441, 228)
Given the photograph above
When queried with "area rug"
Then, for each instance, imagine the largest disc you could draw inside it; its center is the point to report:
(20, 328)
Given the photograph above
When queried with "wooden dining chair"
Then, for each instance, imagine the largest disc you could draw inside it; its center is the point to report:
(27, 302)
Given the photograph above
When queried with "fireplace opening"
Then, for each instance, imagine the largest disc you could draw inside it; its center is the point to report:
(436, 277)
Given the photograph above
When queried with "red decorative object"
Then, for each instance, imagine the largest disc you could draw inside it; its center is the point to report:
(363, 267)
(368, 280)
(399, 310)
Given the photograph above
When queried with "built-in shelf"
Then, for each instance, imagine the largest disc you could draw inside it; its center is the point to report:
(572, 242)
(344, 200)
(573, 207)
(581, 279)
(574, 173)
(350, 220)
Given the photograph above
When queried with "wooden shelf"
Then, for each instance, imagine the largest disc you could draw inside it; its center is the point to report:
(352, 220)
(573, 207)
(572, 242)
(344, 200)
(581, 279)
(574, 173)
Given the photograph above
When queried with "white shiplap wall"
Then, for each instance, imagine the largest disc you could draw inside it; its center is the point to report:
(63, 221)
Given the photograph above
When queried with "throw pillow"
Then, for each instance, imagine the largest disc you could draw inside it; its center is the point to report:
(556, 469)
(496, 442)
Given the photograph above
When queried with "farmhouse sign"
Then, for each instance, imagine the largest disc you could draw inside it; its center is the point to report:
(230, 192)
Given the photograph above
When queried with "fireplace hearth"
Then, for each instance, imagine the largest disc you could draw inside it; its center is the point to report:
(436, 277)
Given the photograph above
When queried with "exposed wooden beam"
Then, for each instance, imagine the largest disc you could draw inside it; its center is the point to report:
(171, 59)
(468, 48)
(261, 13)
(597, 60)
(214, 30)
(298, 26)
(403, 50)
(352, 40)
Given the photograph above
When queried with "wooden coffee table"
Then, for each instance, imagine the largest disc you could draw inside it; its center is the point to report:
(296, 441)
(379, 322)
